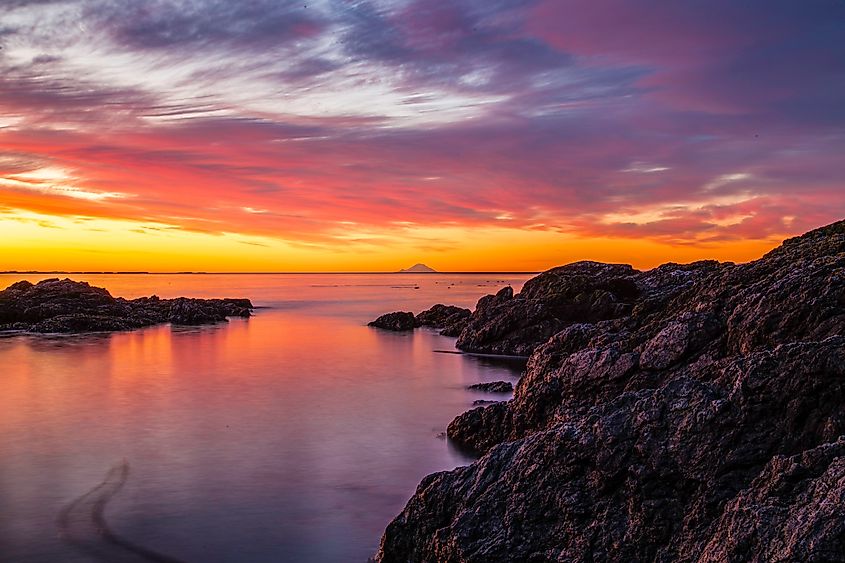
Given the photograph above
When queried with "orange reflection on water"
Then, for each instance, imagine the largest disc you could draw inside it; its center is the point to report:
(296, 434)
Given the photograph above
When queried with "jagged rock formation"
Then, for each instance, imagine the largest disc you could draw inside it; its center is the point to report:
(56, 305)
(449, 318)
(686, 413)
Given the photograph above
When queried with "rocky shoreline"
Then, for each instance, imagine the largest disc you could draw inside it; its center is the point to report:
(67, 306)
(686, 413)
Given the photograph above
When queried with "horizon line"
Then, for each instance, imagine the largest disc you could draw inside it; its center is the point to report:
(188, 273)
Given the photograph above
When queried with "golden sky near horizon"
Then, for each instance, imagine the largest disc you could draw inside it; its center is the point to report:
(44, 242)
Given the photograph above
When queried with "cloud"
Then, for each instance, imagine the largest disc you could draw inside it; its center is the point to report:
(686, 122)
(208, 24)
(780, 59)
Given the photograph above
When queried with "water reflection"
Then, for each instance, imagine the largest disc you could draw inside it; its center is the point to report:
(294, 435)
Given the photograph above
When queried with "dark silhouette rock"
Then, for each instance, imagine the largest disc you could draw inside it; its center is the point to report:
(582, 292)
(449, 318)
(686, 413)
(479, 402)
(56, 305)
(479, 429)
(440, 315)
(398, 321)
(493, 387)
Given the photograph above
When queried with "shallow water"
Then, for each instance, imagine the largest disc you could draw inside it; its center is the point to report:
(296, 435)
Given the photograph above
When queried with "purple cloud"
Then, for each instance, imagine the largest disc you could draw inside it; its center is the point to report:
(689, 122)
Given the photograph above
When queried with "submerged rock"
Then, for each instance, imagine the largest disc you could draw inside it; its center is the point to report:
(56, 305)
(686, 413)
(399, 321)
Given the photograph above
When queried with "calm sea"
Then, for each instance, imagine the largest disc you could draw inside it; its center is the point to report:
(296, 435)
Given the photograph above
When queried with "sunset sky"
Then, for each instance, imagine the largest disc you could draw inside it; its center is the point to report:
(470, 135)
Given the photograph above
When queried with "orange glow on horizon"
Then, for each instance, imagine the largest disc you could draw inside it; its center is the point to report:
(40, 242)
(482, 136)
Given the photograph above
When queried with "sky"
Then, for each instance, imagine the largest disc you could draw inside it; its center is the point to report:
(335, 135)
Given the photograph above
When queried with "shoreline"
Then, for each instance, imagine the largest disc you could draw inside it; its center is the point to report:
(141, 273)
(688, 412)
(66, 306)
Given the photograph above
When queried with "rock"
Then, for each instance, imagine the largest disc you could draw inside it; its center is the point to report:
(56, 305)
(184, 311)
(678, 339)
(793, 511)
(516, 324)
(398, 321)
(455, 328)
(492, 419)
(437, 315)
(479, 402)
(493, 387)
(685, 413)
(449, 318)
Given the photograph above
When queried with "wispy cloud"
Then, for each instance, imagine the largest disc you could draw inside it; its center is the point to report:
(682, 122)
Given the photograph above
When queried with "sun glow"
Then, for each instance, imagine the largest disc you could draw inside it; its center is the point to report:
(361, 136)
(37, 241)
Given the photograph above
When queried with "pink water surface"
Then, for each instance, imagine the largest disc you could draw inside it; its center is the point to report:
(295, 435)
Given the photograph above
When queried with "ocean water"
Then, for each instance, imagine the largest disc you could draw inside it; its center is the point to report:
(295, 435)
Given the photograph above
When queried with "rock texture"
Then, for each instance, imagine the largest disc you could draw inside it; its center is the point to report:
(56, 305)
(479, 402)
(686, 413)
(398, 322)
(449, 318)
(493, 387)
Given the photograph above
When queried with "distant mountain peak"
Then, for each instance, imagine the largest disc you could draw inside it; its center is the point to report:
(418, 269)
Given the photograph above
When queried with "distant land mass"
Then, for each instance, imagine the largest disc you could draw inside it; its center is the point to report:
(418, 269)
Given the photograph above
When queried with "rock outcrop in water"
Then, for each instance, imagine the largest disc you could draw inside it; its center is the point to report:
(398, 321)
(449, 318)
(686, 413)
(56, 305)
(493, 387)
